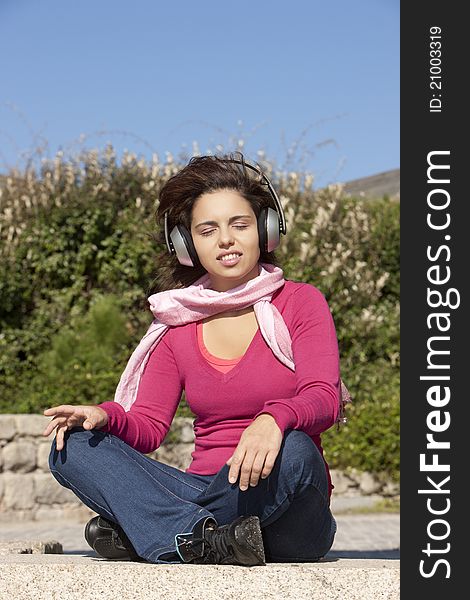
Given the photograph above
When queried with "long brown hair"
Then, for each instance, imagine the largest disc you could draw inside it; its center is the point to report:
(203, 174)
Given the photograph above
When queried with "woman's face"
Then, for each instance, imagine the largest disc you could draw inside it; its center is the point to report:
(224, 222)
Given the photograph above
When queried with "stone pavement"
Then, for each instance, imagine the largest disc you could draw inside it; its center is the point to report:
(358, 536)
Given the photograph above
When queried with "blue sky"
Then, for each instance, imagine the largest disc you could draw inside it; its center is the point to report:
(313, 84)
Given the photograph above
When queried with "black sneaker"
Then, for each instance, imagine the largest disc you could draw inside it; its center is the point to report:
(238, 543)
(109, 540)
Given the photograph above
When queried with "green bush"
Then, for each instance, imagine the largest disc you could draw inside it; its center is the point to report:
(77, 259)
(81, 365)
(370, 439)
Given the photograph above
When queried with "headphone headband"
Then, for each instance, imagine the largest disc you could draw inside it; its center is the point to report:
(282, 221)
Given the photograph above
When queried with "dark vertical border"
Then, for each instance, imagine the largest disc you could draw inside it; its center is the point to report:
(422, 132)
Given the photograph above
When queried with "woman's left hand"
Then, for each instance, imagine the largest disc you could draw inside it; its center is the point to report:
(256, 451)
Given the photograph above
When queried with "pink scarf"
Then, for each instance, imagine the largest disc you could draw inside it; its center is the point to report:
(195, 302)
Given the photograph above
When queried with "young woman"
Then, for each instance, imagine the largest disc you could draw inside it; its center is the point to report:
(257, 356)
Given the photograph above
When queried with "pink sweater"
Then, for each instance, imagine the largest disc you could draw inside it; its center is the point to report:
(226, 397)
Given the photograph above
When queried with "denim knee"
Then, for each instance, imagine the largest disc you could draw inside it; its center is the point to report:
(301, 455)
(76, 441)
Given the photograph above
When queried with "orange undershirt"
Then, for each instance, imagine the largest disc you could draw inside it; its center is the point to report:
(221, 364)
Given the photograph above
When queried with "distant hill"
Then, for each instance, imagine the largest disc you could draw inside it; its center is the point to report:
(375, 186)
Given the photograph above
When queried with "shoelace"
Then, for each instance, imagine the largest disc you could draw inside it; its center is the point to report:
(218, 546)
(118, 537)
(117, 540)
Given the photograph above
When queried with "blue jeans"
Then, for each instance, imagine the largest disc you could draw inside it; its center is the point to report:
(153, 502)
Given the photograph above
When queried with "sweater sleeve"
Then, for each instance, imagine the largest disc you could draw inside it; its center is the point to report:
(315, 406)
(147, 422)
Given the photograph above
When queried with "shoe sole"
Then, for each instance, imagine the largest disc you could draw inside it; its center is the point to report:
(248, 533)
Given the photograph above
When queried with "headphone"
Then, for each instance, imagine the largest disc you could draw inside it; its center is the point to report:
(271, 223)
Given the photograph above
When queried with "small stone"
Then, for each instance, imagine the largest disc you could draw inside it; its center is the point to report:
(19, 457)
(342, 483)
(187, 433)
(391, 489)
(7, 427)
(47, 490)
(18, 493)
(31, 547)
(43, 451)
(31, 425)
(368, 484)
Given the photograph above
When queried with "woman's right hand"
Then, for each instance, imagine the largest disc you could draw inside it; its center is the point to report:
(67, 416)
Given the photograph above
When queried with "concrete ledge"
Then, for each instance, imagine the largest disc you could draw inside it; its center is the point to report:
(65, 576)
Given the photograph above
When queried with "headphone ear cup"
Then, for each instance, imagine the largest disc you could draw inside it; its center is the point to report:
(188, 238)
(184, 246)
(273, 228)
(262, 231)
(268, 229)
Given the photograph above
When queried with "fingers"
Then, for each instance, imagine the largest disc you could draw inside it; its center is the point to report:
(56, 421)
(235, 463)
(256, 452)
(250, 467)
(66, 416)
(63, 408)
(269, 463)
(60, 443)
(244, 468)
(257, 468)
(61, 414)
